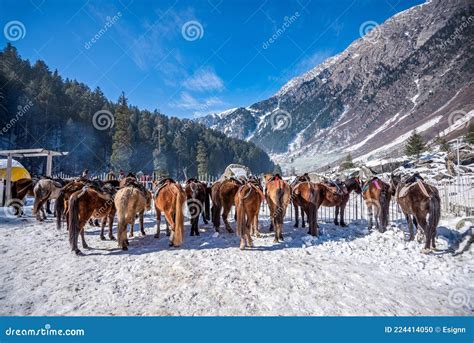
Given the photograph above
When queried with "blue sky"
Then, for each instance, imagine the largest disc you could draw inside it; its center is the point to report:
(188, 58)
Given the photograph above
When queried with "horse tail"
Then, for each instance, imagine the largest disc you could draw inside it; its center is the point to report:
(59, 209)
(74, 220)
(280, 193)
(179, 218)
(434, 215)
(383, 214)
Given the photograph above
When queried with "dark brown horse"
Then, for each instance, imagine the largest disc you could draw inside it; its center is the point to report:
(82, 205)
(248, 199)
(294, 200)
(223, 198)
(277, 194)
(377, 195)
(305, 194)
(19, 190)
(421, 204)
(198, 202)
(337, 195)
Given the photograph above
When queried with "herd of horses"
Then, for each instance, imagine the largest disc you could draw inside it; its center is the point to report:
(81, 201)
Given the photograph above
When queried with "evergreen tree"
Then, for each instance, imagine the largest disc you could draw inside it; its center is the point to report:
(443, 144)
(202, 159)
(348, 163)
(415, 145)
(470, 135)
(122, 145)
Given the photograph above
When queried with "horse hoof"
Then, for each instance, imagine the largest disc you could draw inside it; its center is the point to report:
(192, 234)
(79, 253)
(343, 225)
(127, 242)
(130, 235)
(112, 238)
(143, 233)
(102, 238)
(276, 240)
(337, 223)
(425, 251)
(124, 248)
(230, 230)
(296, 225)
(157, 235)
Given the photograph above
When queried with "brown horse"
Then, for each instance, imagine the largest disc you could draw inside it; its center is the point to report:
(198, 202)
(19, 190)
(129, 201)
(62, 201)
(419, 201)
(170, 198)
(277, 194)
(248, 199)
(223, 198)
(302, 178)
(377, 195)
(305, 194)
(82, 205)
(337, 194)
(46, 189)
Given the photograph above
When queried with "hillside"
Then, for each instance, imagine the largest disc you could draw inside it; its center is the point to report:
(414, 71)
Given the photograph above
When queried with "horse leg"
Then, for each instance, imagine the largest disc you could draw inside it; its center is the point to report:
(158, 223)
(204, 217)
(102, 227)
(424, 225)
(84, 244)
(170, 221)
(122, 236)
(216, 220)
(142, 226)
(48, 207)
(111, 224)
(248, 231)
(410, 226)
(343, 211)
(336, 222)
(302, 219)
(131, 228)
(225, 214)
(296, 215)
(371, 219)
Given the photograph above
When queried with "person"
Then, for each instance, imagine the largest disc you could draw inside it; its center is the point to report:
(85, 174)
(122, 174)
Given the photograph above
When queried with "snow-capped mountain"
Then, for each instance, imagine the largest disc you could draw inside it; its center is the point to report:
(414, 71)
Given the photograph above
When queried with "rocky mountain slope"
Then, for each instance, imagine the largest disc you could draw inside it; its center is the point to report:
(414, 71)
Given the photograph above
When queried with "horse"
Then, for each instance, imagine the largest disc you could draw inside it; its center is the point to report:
(198, 202)
(223, 196)
(421, 205)
(377, 195)
(337, 194)
(277, 194)
(82, 205)
(170, 198)
(305, 194)
(302, 178)
(19, 190)
(247, 200)
(129, 201)
(62, 201)
(44, 190)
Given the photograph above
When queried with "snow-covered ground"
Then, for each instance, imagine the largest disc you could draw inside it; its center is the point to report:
(346, 271)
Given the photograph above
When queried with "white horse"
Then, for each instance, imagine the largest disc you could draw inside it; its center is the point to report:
(44, 190)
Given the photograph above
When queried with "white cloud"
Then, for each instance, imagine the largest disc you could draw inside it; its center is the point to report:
(199, 107)
(204, 79)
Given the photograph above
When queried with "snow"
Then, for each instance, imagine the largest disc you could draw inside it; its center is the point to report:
(345, 271)
(15, 163)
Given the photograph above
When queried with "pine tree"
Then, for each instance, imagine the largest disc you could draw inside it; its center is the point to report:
(347, 164)
(470, 135)
(122, 140)
(202, 159)
(443, 144)
(415, 145)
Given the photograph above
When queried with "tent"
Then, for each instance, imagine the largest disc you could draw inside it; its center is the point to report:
(236, 170)
(18, 171)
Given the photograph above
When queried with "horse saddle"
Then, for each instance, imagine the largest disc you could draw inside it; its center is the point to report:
(406, 188)
(338, 188)
(161, 184)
